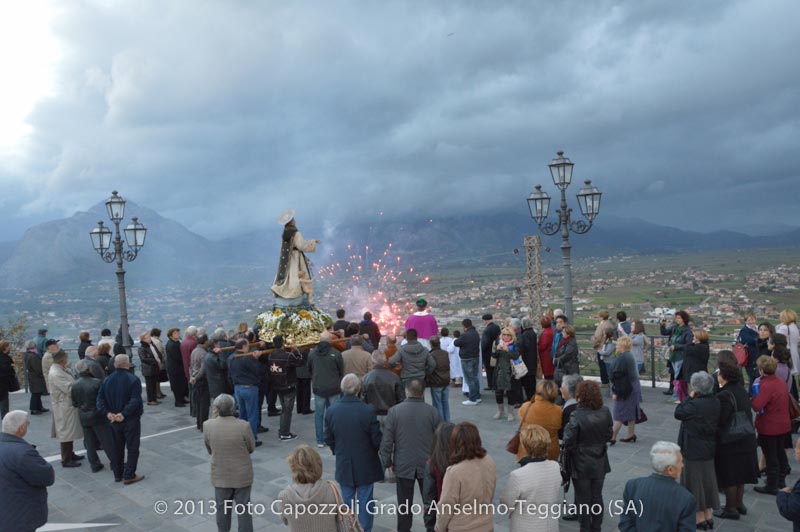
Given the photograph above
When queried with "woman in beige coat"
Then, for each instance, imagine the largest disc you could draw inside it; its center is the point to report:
(66, 425)
(469, 482)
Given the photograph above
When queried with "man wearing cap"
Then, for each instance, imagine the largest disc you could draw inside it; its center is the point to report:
(491, 333)
(423, 322)
(51, 348)
(293, 261)
(41, 339)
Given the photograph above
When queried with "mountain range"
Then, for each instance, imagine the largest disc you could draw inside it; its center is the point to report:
(59, 253)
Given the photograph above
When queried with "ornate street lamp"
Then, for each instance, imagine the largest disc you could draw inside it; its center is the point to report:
(589, 203)
(112, 251)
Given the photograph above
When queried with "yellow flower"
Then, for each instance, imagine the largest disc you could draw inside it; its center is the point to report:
(277, 312)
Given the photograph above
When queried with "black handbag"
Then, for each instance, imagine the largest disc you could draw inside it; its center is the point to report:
(739, 428)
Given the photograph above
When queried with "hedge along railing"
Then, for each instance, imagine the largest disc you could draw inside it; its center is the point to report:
(655, 364)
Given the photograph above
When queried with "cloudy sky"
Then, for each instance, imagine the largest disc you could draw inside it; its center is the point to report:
(220, 114)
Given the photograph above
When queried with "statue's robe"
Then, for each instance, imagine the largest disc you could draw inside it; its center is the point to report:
(292, 262)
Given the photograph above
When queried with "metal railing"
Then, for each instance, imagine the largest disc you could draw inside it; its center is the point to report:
(656, 369)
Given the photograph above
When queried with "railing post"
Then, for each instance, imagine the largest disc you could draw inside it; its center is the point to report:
(653, 361)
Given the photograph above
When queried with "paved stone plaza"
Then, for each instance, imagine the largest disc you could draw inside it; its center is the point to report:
(176, 466)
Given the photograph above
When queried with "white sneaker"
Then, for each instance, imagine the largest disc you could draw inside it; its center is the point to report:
(469, 403)
(320, 445)
(479, 400)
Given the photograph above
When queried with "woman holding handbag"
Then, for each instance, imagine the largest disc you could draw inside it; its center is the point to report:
(504, 381)
(543, 411)
(735, 460)
(680, 336)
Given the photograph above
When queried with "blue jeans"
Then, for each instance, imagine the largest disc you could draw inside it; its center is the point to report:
(247, 401)
(321, 404)
(362, 495)
(441, 400)
(470, 368)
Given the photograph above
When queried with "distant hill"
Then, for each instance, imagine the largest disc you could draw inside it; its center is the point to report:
(59, 253)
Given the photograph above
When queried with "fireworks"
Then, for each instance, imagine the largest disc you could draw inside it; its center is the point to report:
(367, 280)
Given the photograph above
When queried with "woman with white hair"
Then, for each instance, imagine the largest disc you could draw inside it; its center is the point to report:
(699, 417)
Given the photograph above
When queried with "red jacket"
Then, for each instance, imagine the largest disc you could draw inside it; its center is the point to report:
(773, 398)
(187, 346)
(545, 345)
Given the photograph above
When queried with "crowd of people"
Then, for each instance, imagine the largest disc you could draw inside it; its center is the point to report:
(370, 411)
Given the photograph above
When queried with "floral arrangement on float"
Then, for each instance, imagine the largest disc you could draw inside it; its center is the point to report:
(298, 326)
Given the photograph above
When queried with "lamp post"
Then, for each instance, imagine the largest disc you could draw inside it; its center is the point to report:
(589, 202)
(111, 251)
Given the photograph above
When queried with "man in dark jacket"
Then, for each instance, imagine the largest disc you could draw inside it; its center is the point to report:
(303, 385)
(527, 344)
(326, 366)
(491, 332)
(283, 380)
(36, 383)
(370, 328)
(341, 323)
(245, 371)
(96, 428)
(354, 436)
(415, 359)
(661, 503)
(24, 477)
(381, 388)
(406, 445)
(469, 344)
(178, 381)
(120, 401)
(216, 371)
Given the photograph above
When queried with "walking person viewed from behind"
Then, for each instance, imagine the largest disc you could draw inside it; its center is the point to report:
(735, 461)
(469, 483)
(354, 437)
(699, 417)
(406, 445)
(120, 400)
(585, 438)
(283, 379)
(327, 369)
(230, 443)
(469, 351)
(438, 381)
(96, 429)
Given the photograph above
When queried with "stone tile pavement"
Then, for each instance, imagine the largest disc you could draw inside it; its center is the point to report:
(176, 466)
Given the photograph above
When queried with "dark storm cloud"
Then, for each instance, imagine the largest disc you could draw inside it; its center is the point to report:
(221, 114)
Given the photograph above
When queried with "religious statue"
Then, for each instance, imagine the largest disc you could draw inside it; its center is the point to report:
(292, 286)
